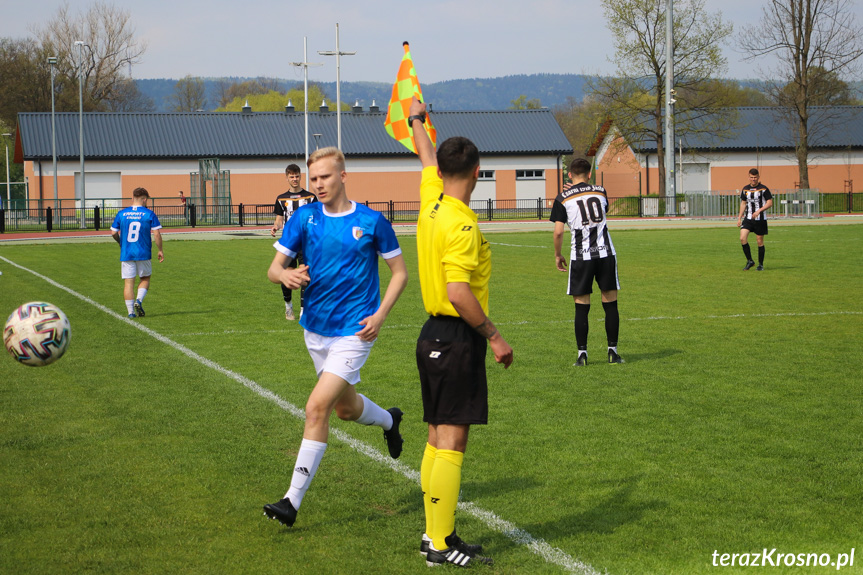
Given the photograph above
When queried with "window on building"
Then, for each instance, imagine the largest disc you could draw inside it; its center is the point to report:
(530, 174)
(486, 175)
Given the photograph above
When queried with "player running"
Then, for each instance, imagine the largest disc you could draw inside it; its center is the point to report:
(341, 241)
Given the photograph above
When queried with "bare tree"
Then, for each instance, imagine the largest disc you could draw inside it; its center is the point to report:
(815, 42)
(189, 95)
(634, 98)
(110, 49)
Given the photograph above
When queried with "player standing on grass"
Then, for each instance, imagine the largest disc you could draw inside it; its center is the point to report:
(342, 241)
(454, 268)
(583, 207)
(755, 200)
(286, 204)
(131, 229)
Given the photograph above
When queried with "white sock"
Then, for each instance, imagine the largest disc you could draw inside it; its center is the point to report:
(130, 306)
(614, 349)
(308, 459)
(141, 293)
(373, 414)
(288, 306)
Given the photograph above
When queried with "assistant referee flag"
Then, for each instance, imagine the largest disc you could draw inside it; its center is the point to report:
(406, 87)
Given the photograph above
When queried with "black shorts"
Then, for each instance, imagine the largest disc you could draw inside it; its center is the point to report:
(757, 227)
(451, 362)
(583, 272)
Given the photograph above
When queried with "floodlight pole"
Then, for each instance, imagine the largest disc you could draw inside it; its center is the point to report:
(670, 192)
(305, 64)
(338, 55)
(80, 45)
(52, 61)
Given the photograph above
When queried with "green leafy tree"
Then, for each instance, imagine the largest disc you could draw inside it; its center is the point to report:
(274, 101)
(25, 79)
(522, 103)
(814, 42)
(634, 97)
(228, 91)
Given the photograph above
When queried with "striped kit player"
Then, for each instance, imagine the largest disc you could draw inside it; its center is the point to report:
(583, 207)
(755, 200)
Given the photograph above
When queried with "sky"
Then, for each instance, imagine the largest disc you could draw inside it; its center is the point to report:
(450, 39)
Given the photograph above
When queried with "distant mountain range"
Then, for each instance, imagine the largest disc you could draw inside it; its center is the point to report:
(473, 94)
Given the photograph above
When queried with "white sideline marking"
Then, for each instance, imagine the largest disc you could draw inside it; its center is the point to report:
(519, 536)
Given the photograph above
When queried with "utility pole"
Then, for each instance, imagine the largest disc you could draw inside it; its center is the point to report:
(338, 54)
(80, 45)
(670, 191)
(305, 65)
(52, 61)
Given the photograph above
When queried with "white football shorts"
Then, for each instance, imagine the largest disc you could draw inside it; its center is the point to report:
(128, 270)
(342, 356)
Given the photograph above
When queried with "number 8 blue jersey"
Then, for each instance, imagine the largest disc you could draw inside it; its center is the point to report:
(135, 224)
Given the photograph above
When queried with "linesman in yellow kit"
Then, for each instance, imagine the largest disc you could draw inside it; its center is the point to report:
(454, 270)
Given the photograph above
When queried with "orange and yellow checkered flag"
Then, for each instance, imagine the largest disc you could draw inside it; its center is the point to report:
(406, 87)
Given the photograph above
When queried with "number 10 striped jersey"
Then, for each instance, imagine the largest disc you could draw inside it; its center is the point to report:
(583, 208)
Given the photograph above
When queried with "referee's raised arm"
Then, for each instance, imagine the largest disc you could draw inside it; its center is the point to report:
(425, 149)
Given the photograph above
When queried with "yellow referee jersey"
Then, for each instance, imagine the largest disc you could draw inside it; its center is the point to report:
(451, 247)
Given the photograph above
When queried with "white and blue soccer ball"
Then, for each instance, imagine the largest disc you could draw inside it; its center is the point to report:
(37, 333)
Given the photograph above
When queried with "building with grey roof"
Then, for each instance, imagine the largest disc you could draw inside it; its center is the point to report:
(764, 138)
(521, 152)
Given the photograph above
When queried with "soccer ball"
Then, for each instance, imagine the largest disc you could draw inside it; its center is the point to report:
(37, 333)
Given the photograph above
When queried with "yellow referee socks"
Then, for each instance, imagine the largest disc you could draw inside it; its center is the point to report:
(425, 481)
(443, 489)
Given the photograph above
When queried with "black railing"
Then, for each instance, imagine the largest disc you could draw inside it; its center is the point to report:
(33, 217)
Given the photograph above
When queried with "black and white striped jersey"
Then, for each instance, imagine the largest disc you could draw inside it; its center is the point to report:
(755, 198)
(583, 207)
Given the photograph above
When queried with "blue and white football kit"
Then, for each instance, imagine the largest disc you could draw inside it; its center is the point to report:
(135, 224)
(341, 251)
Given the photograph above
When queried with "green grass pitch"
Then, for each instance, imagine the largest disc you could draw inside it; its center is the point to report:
(734, 426)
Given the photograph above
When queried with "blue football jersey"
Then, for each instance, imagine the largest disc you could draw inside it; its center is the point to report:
(342, 252)
(135, 224)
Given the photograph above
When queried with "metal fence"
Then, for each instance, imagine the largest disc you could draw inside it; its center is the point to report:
(41, 216)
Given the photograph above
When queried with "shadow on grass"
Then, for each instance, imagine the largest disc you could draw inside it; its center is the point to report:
(649, 356)
(605, 516)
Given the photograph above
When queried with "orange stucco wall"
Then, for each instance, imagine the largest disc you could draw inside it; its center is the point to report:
(618, 171)
(827, 178)
(505, 180)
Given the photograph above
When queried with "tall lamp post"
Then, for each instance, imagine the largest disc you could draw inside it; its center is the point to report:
(8, 186)
(80, 45)
(670, 93)
(338, 55)
(305, 65)
(52, 61)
